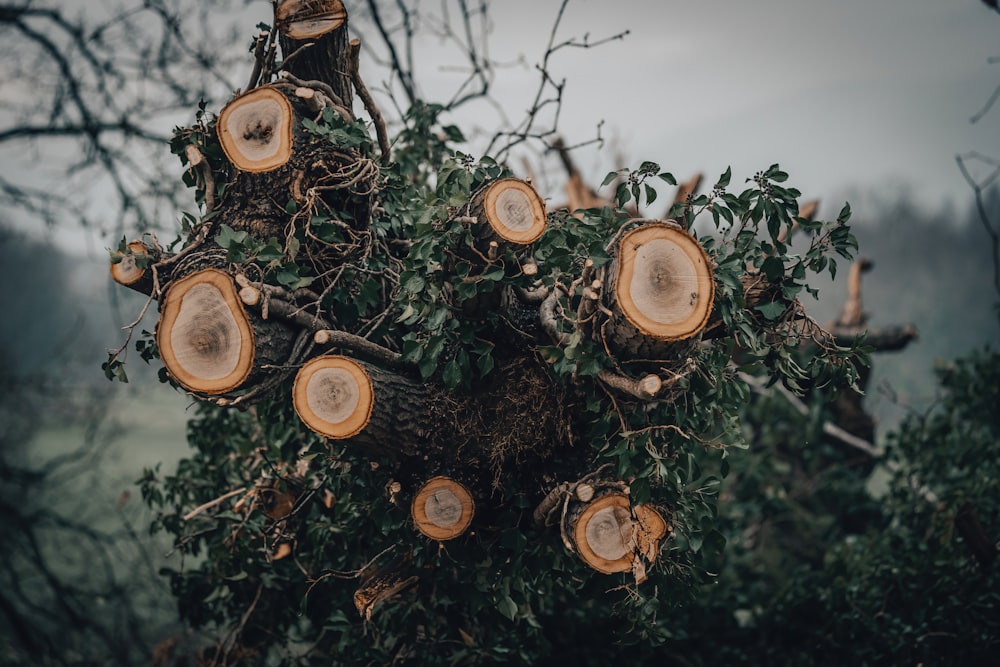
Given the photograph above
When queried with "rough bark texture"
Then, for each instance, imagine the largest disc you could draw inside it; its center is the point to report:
(256, 202)
(382, 584)
(372, 408)
(319, 58)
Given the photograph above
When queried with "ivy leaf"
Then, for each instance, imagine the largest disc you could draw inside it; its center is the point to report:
(230, 239)
(414, 283)
(771, 311)
(773, 268)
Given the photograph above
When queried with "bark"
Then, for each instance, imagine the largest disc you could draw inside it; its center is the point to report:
(382, 584)
(442, 508)
(317, 54)
(314, 173)
(382, 412)
(661, 291)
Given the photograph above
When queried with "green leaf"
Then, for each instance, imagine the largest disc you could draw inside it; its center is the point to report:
(413, 283)
(507, 607)
(650, 193)
(452, 374)
(773, 268)
(724, 178)
(229, 238)
(771, 311)
(845, 213)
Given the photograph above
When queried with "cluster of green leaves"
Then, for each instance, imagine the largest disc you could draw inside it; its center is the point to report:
(675, 452)
(444, 274)
(339, 132)
(832, 564)
(486, 599)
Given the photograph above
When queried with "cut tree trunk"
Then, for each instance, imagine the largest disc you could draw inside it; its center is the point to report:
(255, 130)
(442, 509)
(309, 19)
(208, 342)
(611, 536)
(662, 287)
(204, 336)
(314, 41)
(345, 399)
(509, 210)
(279, 161)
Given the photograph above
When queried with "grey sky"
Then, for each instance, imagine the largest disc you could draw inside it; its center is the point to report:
(848, 93)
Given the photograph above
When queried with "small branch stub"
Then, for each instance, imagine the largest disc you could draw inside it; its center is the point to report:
(333, 395)
(127, 272)
(204, 336)
(309, 19)
(442, 509)
(255, 130)
(512, 208)
(664, 284)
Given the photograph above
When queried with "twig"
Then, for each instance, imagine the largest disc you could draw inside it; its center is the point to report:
(211, 503)
(363, 346)
(354, 66)
(978, 187)
(849, 439)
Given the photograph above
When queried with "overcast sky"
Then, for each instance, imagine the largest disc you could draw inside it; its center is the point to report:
(844, 93)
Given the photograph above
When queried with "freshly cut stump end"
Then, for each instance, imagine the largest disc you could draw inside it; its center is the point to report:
(514, 210)
(664, 286)
(204, 337)
(255, 130)
(610, 535)
(309, 19)
(127, 272)
(333, 395)
(442, 509)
